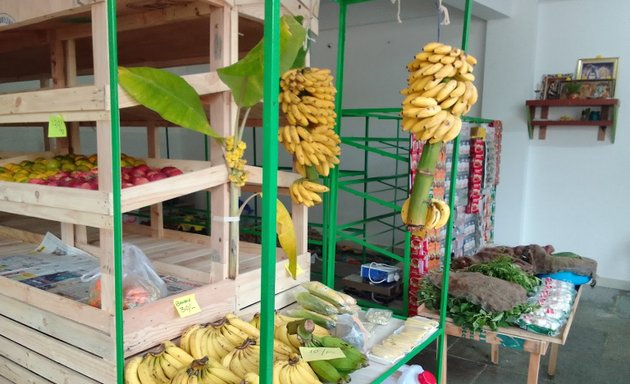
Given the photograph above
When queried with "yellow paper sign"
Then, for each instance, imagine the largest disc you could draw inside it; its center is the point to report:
(313, 354)
(56, 126)
(186, 305)
(298, 269)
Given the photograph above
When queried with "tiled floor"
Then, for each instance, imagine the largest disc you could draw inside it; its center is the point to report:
(597, 350)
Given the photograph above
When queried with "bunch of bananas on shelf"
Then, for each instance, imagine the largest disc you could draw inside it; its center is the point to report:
(440, 90)
(206, 371)
(251, 378)
(234, 161)
(157, 367)
(437, 214)
(294, 371)
(306, 192)
(307, 98)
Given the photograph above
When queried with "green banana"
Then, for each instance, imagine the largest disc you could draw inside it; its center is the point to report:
(326, 372)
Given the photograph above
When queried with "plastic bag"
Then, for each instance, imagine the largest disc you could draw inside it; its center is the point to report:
(350, 329)
(141, 284)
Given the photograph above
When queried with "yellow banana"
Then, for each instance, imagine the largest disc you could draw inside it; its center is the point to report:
(423, 56)
(196, 342)
(158, 372)
(428, 112)
(433, 69)
(445, 212)
(304, 134)
(419, 84)
(446, 90)
(243, 325)
(443, 49)
(295, 138)
(423, 102)
(145, 370)
(131, 370)
(459, 108)
(459, 90)
(226, 375)
(305, 374)
(315, 187)
(252, 378)
(443, 129)
(435, 58)
(178, 354)
(434, 91)
(307, 147)
(466, 77)
(446, 104)
(235, 335)
(447, 70)
(454, 131)
(300, 156)
(430, 47)
(471, 60)
(447, 59)
(185, 338)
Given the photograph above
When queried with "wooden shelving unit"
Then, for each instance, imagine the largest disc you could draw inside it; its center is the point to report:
(49, 338)
(607, 109)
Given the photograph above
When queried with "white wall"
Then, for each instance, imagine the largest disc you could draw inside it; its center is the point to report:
(569, 190)
(577, 187)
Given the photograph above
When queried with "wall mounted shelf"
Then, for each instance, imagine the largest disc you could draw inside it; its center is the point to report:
(607, 117)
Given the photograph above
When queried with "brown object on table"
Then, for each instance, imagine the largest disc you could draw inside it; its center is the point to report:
(493, 294)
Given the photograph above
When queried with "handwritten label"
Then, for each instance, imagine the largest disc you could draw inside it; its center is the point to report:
(186, 305)
(56, 126)
(313, 354)
(298, 270)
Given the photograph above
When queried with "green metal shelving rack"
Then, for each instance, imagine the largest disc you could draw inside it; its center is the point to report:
(331, 229)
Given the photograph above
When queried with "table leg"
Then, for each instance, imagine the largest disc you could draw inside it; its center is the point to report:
(553, 359)
(494, 353)
(534, 368)
(443, 350)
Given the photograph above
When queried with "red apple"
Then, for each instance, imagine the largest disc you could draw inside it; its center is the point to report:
(171, 171)
(53, 183)
(139, 180)
(37, 181)
(156, 176)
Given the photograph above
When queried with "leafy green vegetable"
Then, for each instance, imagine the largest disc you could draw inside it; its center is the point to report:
(466, 314)
(245, 77)
(504, 269)
(167, 94)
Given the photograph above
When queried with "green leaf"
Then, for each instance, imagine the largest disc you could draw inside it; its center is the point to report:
(167, 94)
(245, 78)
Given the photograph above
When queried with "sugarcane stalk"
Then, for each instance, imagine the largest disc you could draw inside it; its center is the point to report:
(419, 200)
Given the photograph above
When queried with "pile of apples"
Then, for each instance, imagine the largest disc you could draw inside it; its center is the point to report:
(80, 171)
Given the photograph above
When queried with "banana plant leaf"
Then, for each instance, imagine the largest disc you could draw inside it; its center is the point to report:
(245, 78)
(286, 236)
(167, 94)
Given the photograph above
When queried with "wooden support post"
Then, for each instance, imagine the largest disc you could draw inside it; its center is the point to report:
(223, 51)
(544, 115)
(494, 353)
(58, 71)
(104, 150)
(534, 368)
(444, 359)
(71, 79)
(157, 210)
(553, 359)
(299, 214)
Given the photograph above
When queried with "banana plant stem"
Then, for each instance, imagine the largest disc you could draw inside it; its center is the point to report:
(419, 200)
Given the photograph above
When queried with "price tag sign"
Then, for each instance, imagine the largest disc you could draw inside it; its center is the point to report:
(313, 354)
(298, 270)
(56, 126)
(186, 305)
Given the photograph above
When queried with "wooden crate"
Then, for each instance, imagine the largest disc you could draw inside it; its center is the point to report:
(48, 338)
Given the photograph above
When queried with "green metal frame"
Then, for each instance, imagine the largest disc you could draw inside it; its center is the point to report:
(331, 233)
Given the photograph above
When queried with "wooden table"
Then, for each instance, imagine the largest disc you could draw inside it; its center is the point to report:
(512, 337)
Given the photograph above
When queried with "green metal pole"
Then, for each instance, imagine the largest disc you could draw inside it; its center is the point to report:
(451, 203)
(269, 186)
(330, 213)
(117, 215)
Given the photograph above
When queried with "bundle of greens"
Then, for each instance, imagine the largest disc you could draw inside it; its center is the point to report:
(504, 269)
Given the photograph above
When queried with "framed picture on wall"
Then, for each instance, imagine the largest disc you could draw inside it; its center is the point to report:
(586, 89)
(597, 68)
(551, 83)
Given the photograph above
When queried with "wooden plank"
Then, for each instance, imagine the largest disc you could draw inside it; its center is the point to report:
(169, 234)
(534, 368)
(166, 189)
(282, 300)
(152, 323)
(28, 12)
(204, 83)
(65, 354)
(553, 360)
(256, 11)
(248, 283)
(285, 179)
(59, 305)
(299, 215)
(20, 234)
(177, 270)
(58, 327)
(85, 98)
(11, 372)
(40, 364)
(42, 117)
(67, 215)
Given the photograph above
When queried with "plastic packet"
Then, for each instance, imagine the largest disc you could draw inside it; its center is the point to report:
(141, 284)
(378, 316)
(351, 330)
(540, 324)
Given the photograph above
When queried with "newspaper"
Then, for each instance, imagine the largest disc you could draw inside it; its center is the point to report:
(57, 267)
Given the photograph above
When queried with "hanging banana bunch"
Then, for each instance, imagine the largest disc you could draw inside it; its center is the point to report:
(439, 91)
(307, 98)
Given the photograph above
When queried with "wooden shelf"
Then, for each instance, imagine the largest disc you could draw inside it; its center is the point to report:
(607, 110)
